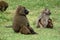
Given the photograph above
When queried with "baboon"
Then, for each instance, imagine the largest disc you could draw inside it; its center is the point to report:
(3, 5)
(44, 20)
(20, 22)
(50, 24)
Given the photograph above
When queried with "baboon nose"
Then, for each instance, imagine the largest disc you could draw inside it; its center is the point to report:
(27, 12)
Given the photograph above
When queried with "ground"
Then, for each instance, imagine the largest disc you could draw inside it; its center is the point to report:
(35, 7)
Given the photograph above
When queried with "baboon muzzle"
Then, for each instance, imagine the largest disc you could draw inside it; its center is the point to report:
(26, 11)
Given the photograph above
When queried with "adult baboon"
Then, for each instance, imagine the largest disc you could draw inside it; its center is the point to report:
(3, 5)
(20, 22)
(43, 20)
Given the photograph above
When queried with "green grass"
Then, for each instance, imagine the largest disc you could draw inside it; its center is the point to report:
(35, 7)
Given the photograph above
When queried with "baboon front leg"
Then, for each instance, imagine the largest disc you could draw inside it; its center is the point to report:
(31, 30)
(16, 29)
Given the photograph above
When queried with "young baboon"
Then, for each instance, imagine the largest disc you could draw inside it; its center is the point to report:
(43, 20)
(50, 24)
(3, 5)
(20, 22)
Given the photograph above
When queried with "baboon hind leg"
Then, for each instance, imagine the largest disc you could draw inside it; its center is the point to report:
(25, 30)
(39, 24)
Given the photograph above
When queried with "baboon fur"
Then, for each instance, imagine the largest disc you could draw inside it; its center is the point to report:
(3, 5)
(20, 22)
(50, 24)
(44, 19)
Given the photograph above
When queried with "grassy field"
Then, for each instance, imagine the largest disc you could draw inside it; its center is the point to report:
(35, 7)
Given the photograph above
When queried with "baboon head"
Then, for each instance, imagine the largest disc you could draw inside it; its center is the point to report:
(3, 5)
(21, 10)
(46, 11)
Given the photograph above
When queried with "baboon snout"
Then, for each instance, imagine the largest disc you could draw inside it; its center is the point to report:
(26, 11)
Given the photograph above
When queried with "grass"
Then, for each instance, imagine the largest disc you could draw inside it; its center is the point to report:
(35, 7)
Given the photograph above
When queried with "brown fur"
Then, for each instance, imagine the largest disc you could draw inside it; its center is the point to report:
(43, 20)
(50, 24)
(3, 5)
(21, 23)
